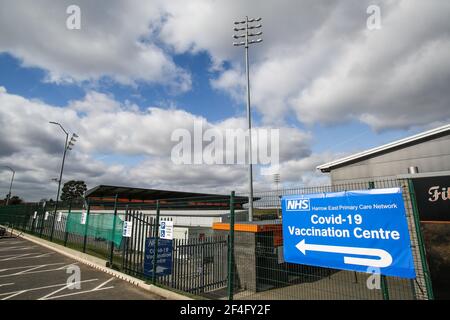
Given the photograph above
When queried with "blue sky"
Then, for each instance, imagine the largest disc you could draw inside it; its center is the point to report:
(202, 100)
(329, 83)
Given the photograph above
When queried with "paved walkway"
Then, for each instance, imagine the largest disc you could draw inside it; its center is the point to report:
(31, 272)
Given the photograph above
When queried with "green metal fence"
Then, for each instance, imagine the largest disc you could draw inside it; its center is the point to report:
(96, 236)
(198, 263)
(275, 279)
(227, 262)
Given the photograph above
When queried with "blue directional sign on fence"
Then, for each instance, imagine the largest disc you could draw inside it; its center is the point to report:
(363, 231)
(164, 257)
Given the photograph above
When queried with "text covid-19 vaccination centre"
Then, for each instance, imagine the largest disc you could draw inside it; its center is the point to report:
(423, 158)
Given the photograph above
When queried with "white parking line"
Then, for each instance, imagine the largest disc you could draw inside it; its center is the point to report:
(30, 271)
(59, 290)
(6, 284)
(75, 293)
(12, 256)
(11, 242)
(23, 267)
(24, 256)
(16, 293)
(101, 285)
(17, 248)
(98, 288)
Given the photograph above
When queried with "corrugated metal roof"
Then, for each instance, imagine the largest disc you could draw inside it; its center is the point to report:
(423, 136)
(104, 194)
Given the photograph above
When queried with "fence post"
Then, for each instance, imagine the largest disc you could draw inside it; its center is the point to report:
(42, 219)
(125, 243)
(383, 281)
(155, 247)
(113, 232)
(24, 218)
(33, 221)
(66, 236)
(230, 288)
(86, 227)
(422, 252)
(54, 221)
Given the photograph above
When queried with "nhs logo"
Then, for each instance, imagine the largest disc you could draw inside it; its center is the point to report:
(297, 205)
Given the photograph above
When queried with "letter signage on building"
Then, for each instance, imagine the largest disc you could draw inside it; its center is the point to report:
(433, 198)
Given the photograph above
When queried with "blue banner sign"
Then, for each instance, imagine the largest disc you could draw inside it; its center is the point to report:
(363, 231)
(164, 257)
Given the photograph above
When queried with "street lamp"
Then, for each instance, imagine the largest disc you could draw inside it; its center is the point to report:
(277, 179)
(10, 185)
(242, 28)
(67, 146)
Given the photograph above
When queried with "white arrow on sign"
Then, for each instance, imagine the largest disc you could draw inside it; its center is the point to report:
(385, 259)
(160, 269)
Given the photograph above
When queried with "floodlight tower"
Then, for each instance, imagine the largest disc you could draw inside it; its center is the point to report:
(277, 179)
(244, 31)
(68, 145)
(8, 197)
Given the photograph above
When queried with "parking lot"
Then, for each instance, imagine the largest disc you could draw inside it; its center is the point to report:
(31, 272)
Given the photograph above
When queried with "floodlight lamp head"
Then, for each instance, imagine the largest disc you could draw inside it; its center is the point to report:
(255, 27)
(255, 34)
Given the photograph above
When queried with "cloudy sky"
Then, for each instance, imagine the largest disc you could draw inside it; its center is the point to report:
(138, 70)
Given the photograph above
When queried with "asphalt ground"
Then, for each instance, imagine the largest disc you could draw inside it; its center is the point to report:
(29, 271)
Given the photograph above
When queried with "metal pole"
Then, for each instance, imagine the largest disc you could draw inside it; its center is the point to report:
(249, 119)
(10, 186)
(422, 252)
(86, 227)
(230, 288)
(66, 236)
(383, 281)
(155, 248)
(8, 197)
(111, 255)
(59, 184)
(43, 221)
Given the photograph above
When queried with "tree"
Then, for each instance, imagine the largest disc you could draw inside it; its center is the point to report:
(73, 190)
(14, 200)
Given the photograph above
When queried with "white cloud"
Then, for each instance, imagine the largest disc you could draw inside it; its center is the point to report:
(318, 62)
(393, 78)
(231, 81)
(116, 40)
(108, 128)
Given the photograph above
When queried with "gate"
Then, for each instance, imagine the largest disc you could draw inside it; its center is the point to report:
(133, 247)
(197, 266)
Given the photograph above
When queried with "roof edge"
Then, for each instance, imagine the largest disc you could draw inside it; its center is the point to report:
(326, 167)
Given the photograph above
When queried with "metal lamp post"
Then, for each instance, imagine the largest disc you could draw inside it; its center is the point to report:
(10, 185)
(277, 179)
(245, 26)
(67, 146)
